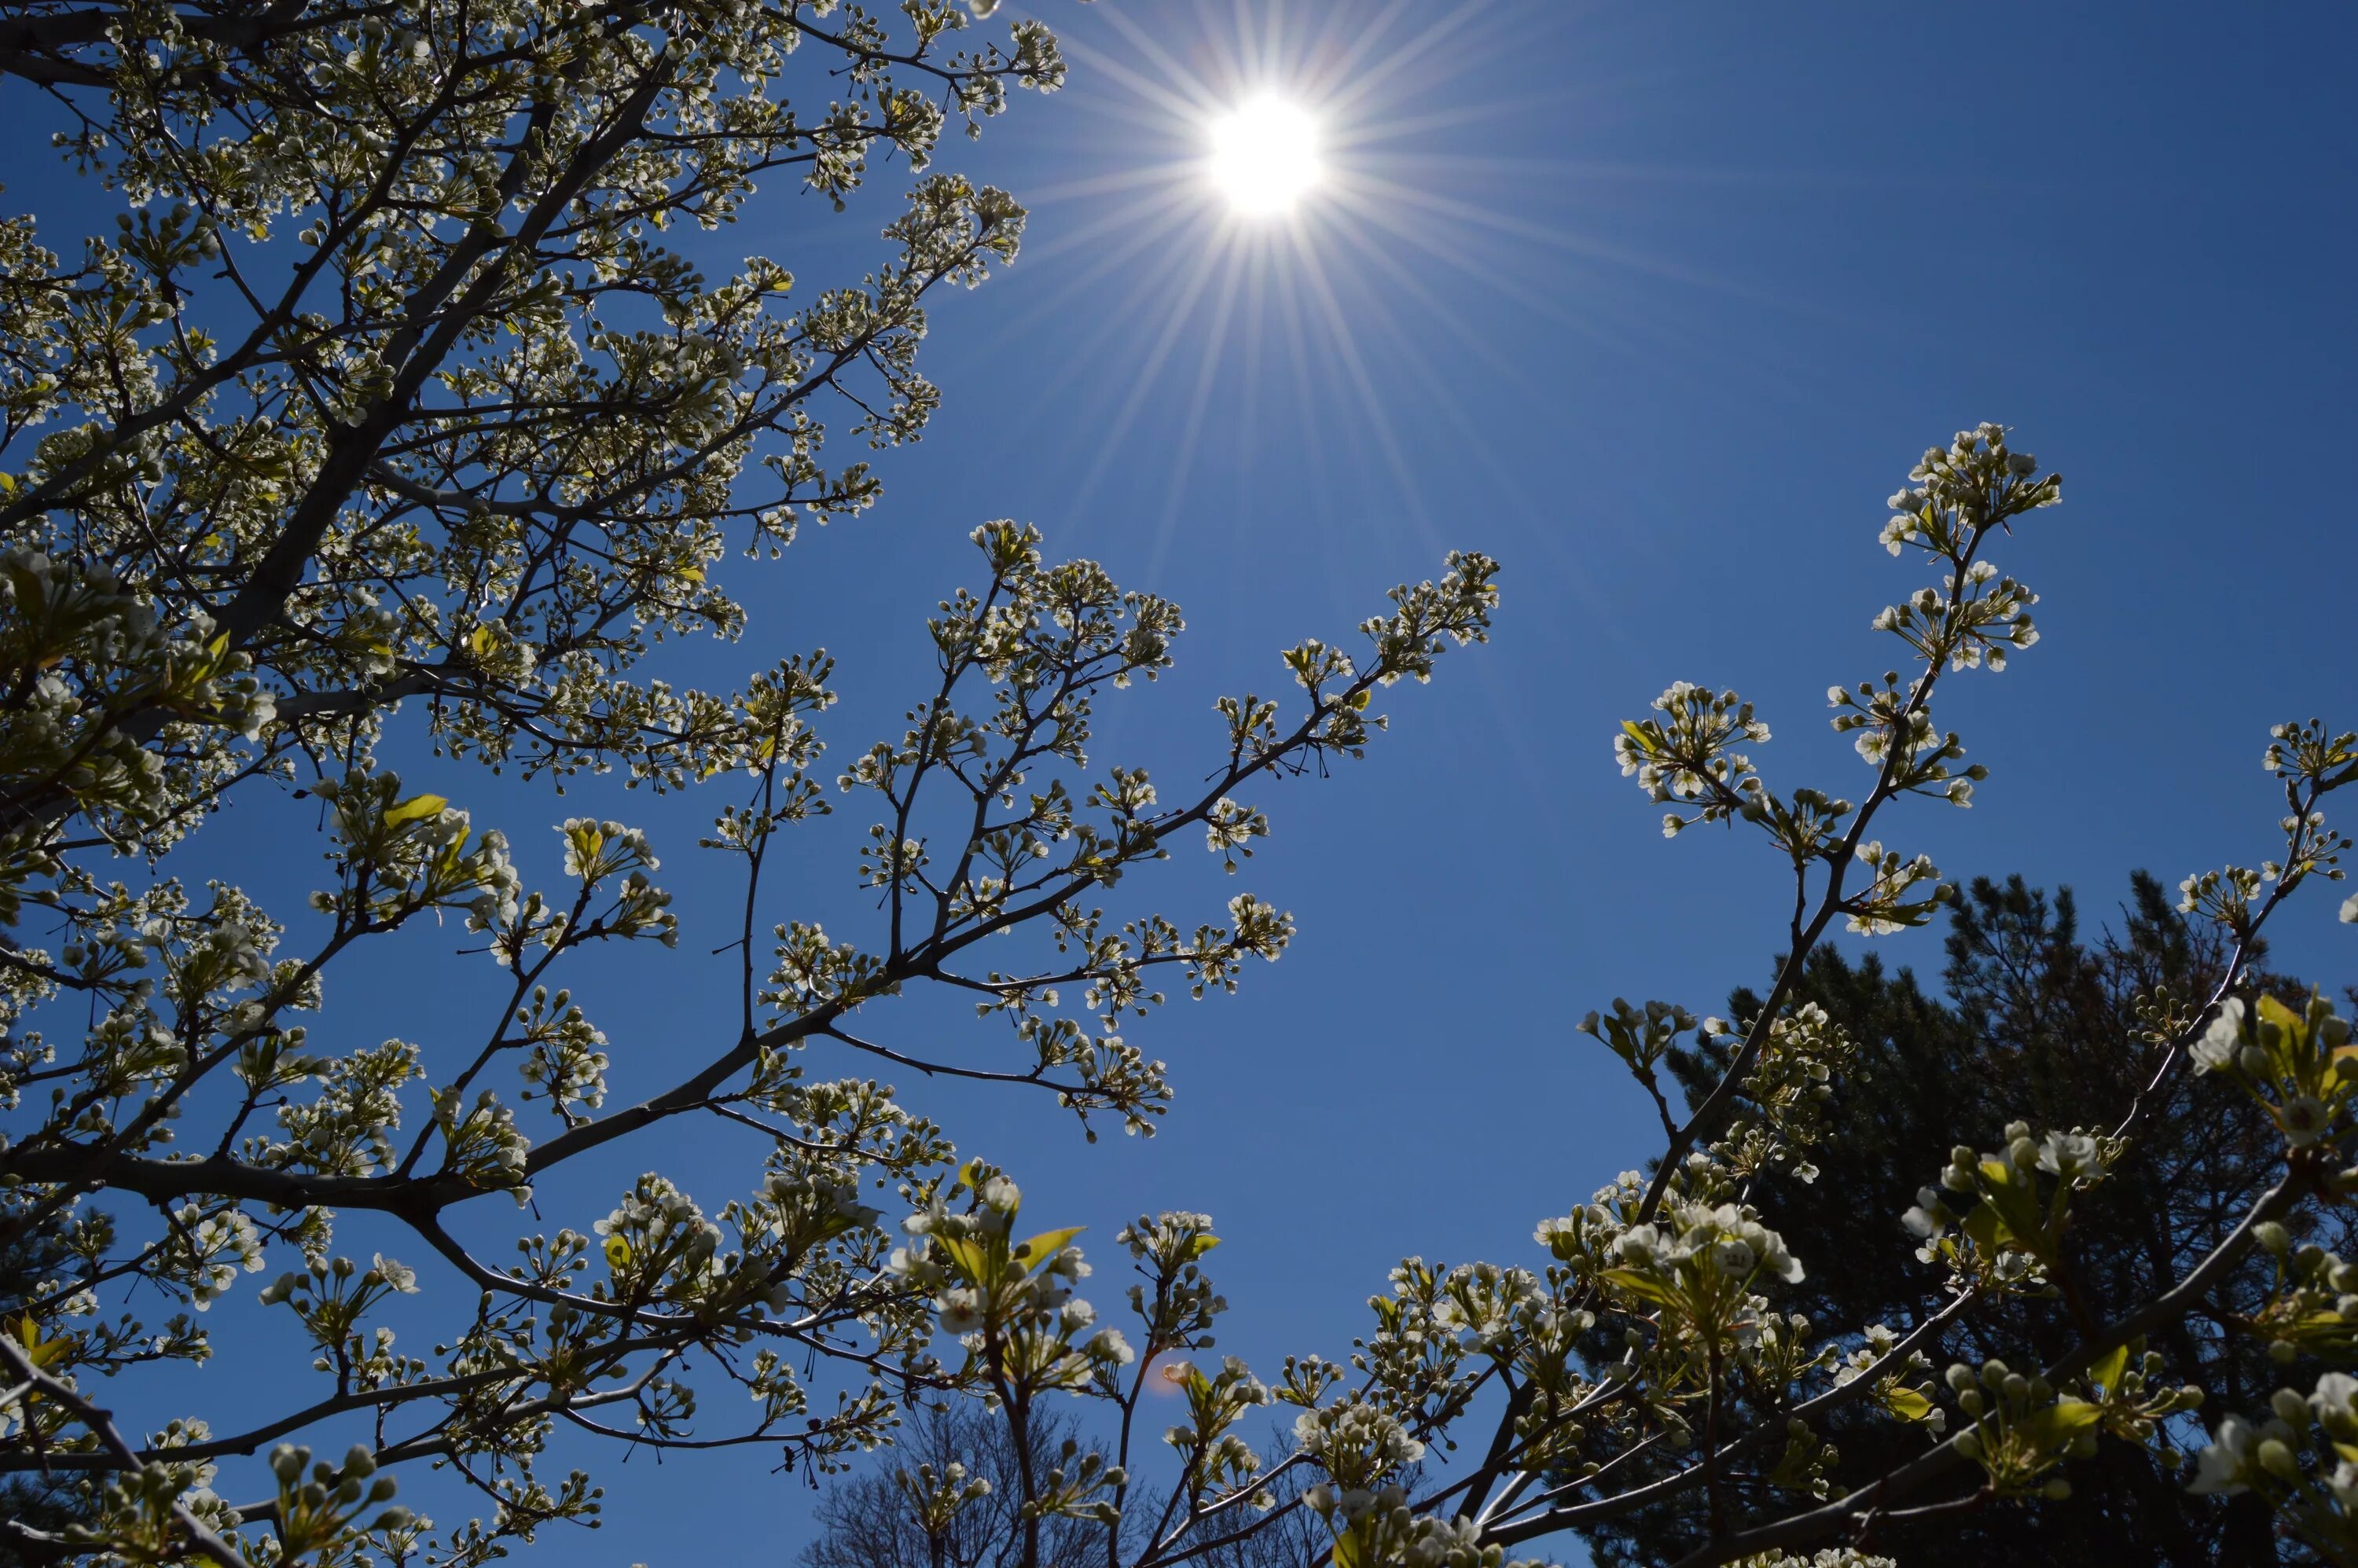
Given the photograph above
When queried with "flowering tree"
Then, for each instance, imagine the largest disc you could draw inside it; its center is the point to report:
(1648, 1357)
(387, 417)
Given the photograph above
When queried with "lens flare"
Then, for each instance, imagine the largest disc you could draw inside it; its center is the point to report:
(1265, 155)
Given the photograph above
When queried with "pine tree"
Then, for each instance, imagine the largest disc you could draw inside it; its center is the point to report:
(2039, 1019)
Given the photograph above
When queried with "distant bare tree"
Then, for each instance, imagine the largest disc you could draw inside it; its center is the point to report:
(880, 1520)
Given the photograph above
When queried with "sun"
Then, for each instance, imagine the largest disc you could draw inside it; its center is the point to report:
(1265, 155)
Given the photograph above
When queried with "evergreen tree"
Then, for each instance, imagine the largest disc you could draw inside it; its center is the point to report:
(2039, 1021)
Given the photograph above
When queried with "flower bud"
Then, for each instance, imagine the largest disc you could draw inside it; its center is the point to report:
(2273, 1237)
(2290, 1408)
(2276, 1458)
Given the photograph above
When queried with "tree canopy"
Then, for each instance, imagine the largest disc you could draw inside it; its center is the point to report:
(389, 420)
(387, 417)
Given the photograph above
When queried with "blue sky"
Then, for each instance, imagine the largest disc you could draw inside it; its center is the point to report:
(1655, 304)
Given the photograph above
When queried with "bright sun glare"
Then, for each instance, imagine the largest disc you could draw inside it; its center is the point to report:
(1265, 155)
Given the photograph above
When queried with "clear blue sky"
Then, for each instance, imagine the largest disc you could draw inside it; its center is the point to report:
(1656, 305)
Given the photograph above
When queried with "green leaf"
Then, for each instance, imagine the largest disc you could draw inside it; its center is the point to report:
(40, 1351)
(1644, 1286)
(413, 808)
(2060, 1422)
(1201, 1245)
(969, 1255)
(2019, 1207)
(1908, 1404)
(1044, 1246)
(2107, 1371)
(2283, 1017)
